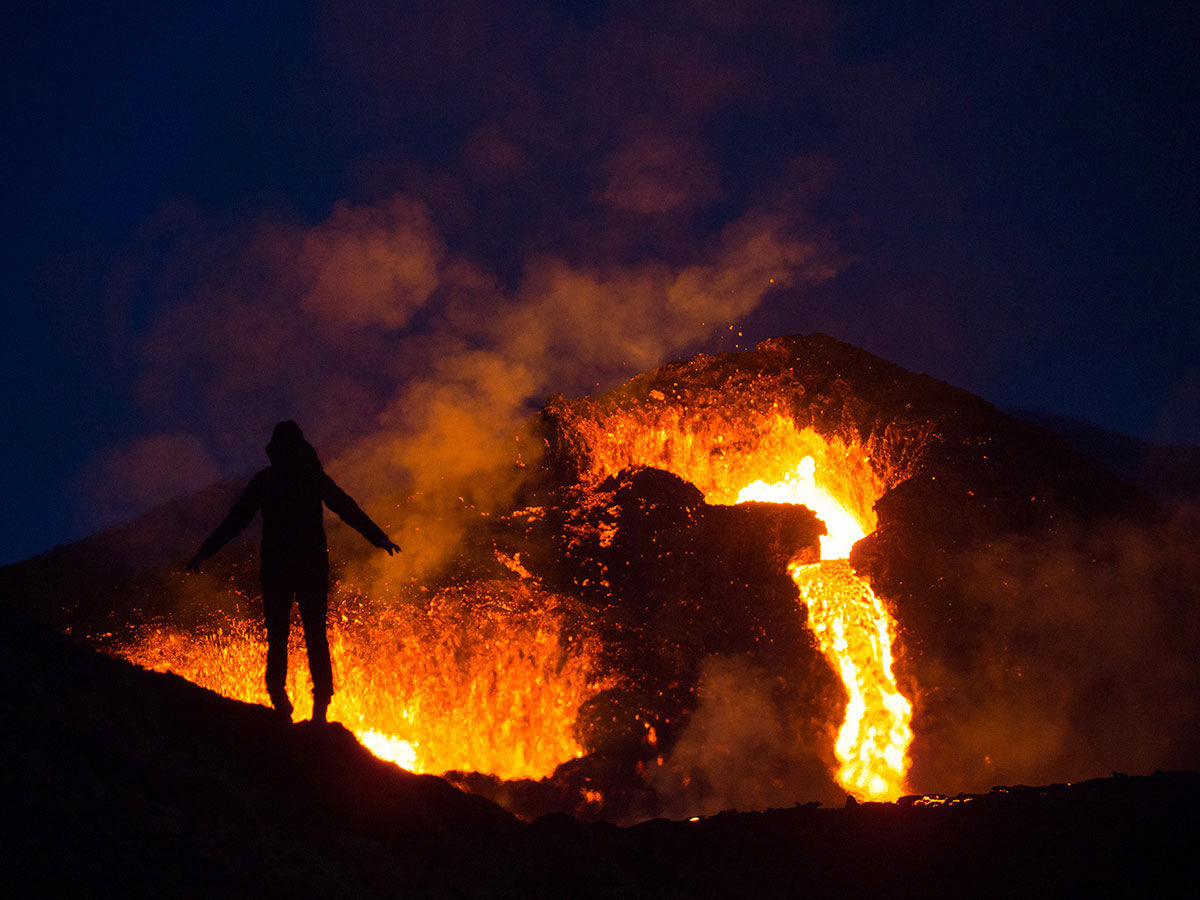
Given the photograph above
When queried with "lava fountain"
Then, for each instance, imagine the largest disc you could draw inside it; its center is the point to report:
(485, 678)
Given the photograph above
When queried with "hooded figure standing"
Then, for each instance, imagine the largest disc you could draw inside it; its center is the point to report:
(295, 558)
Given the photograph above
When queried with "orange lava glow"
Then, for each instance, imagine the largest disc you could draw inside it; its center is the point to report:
(488, 680)
(769, 459)
(854, 632)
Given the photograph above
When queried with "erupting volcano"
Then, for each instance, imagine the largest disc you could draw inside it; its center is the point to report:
(719, 454)
(746, 580)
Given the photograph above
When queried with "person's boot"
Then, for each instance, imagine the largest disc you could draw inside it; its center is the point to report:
(283, 706)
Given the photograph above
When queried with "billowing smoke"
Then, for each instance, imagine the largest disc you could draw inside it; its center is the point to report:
(742, 749)
(316, 324)
(1074, 658)
(572, 226)
(369, 266)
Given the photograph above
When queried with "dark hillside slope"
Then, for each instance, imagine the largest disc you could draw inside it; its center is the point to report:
(123, 782)
(1171, 473)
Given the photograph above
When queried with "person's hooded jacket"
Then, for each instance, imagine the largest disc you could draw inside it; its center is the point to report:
(291, 492)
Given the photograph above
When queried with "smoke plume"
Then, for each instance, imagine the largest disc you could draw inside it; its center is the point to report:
(1082, 663)
(572, 226)
(741, 749)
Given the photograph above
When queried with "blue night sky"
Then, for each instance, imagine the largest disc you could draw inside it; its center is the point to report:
(218, 215)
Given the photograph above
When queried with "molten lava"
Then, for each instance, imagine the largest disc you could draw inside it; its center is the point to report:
(800, 486)
(854, 632)
(486, 680)
(833, 479)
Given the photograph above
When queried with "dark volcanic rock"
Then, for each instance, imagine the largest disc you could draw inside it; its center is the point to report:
(1115, 837)
(1168, 472)
(121, 782)
(670, 582)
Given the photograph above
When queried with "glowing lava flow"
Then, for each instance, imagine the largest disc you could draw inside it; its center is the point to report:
(392, 749)
(853, 630)
(486, 679)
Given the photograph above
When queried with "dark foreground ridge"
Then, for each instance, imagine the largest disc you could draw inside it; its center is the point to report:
(122, 782)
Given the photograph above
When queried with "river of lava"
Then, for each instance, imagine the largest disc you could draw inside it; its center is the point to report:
(481, 679)
(735, 455)
(853, 630)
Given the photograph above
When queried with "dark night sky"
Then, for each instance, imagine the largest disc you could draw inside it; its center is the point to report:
(218, 215)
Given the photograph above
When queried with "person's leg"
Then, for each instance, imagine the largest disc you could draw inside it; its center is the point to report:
(277, 609)
(313, 597)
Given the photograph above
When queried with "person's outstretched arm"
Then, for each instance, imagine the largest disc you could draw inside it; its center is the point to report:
(239, 517)
(350, 513)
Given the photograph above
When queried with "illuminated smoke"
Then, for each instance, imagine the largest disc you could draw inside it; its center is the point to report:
(741, 750)
(371, 266)
(565, 225)
(319, 325)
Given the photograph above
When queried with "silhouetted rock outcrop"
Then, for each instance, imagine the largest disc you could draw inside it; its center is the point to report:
(123, 782)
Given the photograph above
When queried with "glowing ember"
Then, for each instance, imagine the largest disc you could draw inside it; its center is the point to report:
(487, 680)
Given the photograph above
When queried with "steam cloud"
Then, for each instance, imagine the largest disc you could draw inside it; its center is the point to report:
(741, 749)
(1096, 631)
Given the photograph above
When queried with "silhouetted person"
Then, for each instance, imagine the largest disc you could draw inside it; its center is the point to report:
(295, 558)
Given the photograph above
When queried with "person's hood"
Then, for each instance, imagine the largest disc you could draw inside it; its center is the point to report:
(288, 447)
